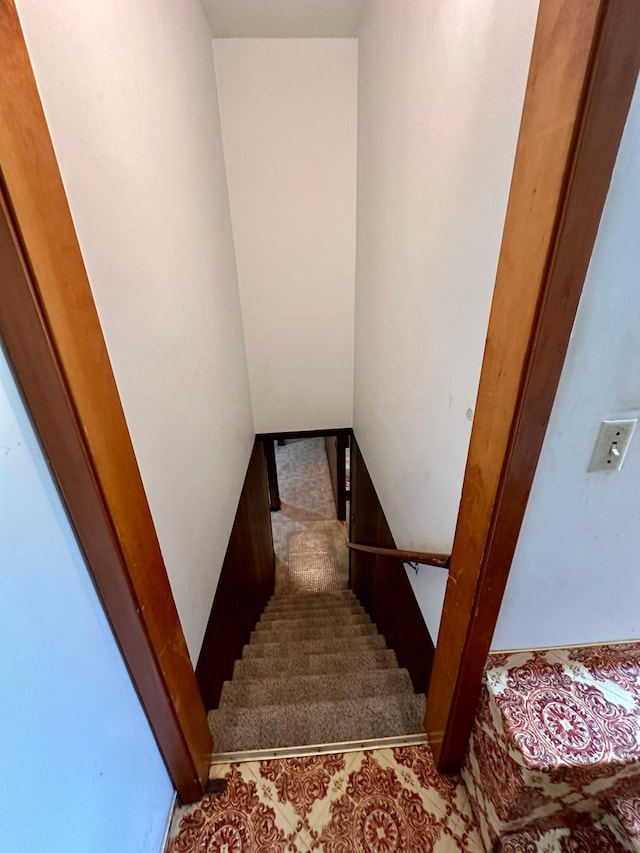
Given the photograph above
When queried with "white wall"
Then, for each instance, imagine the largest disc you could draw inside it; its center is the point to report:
(80, 767)
(283, 18)
(288, 109)
(440, 86)
(130, 97)
(575, 576)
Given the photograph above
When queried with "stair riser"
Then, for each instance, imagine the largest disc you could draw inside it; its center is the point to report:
(319, 621)
(312, 612)
(315, 599)
(314, 665)
(311, 632)
(347, 606)
(288, 725)
(314, 647)
(247, 694)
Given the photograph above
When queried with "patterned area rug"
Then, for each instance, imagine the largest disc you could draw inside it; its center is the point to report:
(378, 801)
(557, 737)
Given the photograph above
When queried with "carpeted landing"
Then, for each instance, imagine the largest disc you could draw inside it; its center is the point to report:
(316, 671)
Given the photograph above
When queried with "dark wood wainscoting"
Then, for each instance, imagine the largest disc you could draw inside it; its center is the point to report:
(246, 583)
(304, 433)
(381, 583)
(272, 473)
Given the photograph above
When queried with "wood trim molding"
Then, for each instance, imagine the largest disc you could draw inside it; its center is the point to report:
(269, 449)
(583, 72)
(336, 449)
(304, 433)
(51, 331)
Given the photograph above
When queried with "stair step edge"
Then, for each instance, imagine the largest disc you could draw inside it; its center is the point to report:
(311, 604)
(413, 701)
(312, 631)
(325, 645)
(316, 723)
(300, 621)
(315, 664)
(314, 613)
(314, 688)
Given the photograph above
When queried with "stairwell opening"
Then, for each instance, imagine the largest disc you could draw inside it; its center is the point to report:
(308, 538)
(316, 674)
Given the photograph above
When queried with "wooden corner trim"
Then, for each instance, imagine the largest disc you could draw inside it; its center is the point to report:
(583, 72)
(48, 308)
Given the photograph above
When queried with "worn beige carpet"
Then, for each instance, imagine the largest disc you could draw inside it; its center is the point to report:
(311, 562)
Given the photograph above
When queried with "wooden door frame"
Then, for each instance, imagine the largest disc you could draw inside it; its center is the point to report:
(50, 329)
(584, 68)
(269, 439)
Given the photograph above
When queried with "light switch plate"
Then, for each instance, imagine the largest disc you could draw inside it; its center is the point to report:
(611, 445)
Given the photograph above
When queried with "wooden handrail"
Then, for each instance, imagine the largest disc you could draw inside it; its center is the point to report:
(439, 560)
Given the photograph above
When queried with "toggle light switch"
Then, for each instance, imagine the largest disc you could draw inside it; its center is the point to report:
(611, 445)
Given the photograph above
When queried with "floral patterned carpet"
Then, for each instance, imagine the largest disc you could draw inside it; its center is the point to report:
(377, 801)
(554, 758)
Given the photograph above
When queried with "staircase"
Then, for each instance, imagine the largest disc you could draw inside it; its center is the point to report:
(316, 671)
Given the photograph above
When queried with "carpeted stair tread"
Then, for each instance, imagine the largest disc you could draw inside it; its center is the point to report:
(281, 634)
(330, 664)
(309, 602)
(305, 610)
(333, 645)
(316, 670)
(337, 598)
(322, 621)
(313, 599)
(301, 724)
(314, 688)
(311, 613)
(327, 593)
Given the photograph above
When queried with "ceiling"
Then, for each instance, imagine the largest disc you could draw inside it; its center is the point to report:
(283, 18)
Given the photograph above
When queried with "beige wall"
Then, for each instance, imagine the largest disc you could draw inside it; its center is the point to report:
(130, 97)
(289, 112)
(440, 93)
